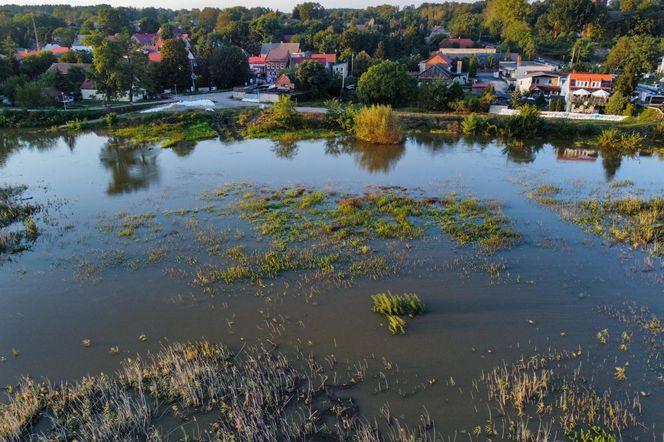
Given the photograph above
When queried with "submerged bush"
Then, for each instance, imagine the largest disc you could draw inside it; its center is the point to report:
(378, 124)
(626, 142)
(471, 124)
(527, 123)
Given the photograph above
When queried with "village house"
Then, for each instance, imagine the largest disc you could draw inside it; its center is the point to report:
(286, 82)
(546, 83)
(435, 59)
(257, 65)
(89, 91)
(513, 70)
(293, 48)
(277, 60)
(586, 92)
(78, 44)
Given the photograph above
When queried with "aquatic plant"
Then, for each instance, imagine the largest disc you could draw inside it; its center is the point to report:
(395, 306)
(377, 124)
(407, 304)
(396, 325)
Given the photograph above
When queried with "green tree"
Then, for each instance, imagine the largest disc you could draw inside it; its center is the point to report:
(227, 66)
(30, 94)
(639, 51)
(148, 25)
(268, 27)
(110, 69)
(566, 16)
(208, 17)
(464, 25)
(617, 104)
(308, 11)
(361, 63)
(438, 95)
(520, 34)
(175, 70)
(626, 83)
(35, 65)
(387, 82)
(112, 20)
(313, 77)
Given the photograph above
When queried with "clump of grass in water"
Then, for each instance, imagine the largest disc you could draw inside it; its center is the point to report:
(407, 304)
(395, 306)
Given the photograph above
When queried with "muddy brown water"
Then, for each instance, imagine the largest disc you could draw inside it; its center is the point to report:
(546, 300)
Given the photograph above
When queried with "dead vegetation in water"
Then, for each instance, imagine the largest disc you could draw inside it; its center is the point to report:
(550, 391)
(15, 210)
(254, 394)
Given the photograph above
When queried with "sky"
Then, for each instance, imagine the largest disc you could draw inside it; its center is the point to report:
(282, 5)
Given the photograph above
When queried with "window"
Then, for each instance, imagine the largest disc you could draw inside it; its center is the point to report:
(597, 84)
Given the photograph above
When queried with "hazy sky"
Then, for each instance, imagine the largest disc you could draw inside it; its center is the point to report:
(283, 5)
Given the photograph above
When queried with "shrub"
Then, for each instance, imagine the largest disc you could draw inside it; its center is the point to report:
(471, 125)
(109, 119)
(378, 124)
(627, 143)
(340, 115)
(616, 104)
(438, 95)
(527, 123)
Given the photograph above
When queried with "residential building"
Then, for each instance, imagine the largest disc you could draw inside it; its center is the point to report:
(78, 44)
(650, 95)
(293, 48)
(277, 60)
(145, 39)
(436, 72)
(285, 82)
(586, 92)
(341, 69)
(513, 70)
(547, 83)
(89, 92)
(257, 65)
(327, 60)
(467, 52)
(435, 59)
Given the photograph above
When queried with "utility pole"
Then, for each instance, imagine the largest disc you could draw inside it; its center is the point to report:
(34, 28)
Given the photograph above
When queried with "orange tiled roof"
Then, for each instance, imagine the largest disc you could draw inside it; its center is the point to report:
(588, 76)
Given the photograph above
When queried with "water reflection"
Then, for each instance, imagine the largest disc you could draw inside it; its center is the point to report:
(370, 157)
(131, 169)
(13, 140)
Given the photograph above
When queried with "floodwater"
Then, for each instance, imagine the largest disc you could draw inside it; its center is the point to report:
(78, 281)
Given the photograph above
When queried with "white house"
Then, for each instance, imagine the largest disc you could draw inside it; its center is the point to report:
(548, 83)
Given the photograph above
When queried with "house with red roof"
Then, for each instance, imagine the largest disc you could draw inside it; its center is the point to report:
(257, 65)
(437, 58)
(587, 92)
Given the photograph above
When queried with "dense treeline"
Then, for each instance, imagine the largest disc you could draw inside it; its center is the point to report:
(622, 37)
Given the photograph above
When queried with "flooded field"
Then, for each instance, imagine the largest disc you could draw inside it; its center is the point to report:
(529, 314)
